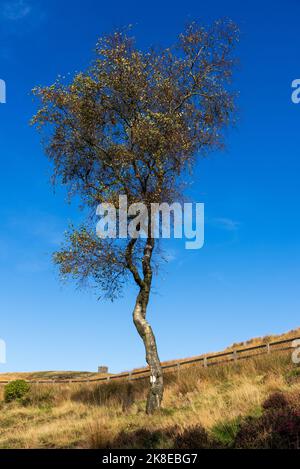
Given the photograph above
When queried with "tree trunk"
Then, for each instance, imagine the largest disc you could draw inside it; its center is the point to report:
(145, 331)
(143, 327)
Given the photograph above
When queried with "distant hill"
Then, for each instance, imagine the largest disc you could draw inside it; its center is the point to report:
(86, 374)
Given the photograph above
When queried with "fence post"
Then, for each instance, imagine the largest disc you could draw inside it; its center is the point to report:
(178, 368)
(268, 348)
(129, 376)
(235, 357)
(205, 362)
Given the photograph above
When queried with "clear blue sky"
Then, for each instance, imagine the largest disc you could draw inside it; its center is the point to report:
(243, 283)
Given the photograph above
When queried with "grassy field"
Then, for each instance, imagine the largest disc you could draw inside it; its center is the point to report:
(223, 406)
(43, 375)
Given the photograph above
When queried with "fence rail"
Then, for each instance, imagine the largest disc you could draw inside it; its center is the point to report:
(221, 358)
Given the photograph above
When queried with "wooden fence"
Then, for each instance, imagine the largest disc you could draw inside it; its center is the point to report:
(221, 358)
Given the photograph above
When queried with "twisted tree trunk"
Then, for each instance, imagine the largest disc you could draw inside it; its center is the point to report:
(143, 327)
(145, 331)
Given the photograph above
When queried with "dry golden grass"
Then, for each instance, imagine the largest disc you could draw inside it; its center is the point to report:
(266, 339)
(94, 415)
(50, 375)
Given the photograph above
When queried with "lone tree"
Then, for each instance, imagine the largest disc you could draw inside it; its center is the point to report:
(134, 124)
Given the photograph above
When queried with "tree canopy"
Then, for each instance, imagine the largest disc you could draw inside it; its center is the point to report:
(133, 124)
